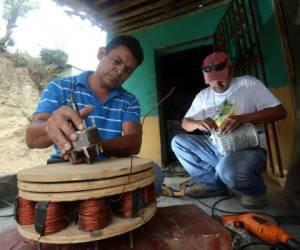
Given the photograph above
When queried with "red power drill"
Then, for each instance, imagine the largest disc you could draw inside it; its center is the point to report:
(261, 228)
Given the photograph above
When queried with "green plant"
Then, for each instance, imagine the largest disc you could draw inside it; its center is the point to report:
(38, 71)
(20, 58)
(54, 56)
(12, 10)
(4, 43)
(41, 73)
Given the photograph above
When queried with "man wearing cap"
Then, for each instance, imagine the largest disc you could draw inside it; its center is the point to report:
(225, 105)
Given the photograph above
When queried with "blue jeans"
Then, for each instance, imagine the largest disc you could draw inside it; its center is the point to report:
(159, 179)
(205, 164)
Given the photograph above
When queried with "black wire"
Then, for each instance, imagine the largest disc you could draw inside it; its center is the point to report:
(214, 208)
(253, 244)
(7, 215)
(6, 204)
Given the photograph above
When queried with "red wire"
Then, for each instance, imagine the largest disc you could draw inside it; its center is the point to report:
(94, 214)
(149, 194)
(25, 211)
(124, 206)
(55, 215)
(55, 218)
(157, 105)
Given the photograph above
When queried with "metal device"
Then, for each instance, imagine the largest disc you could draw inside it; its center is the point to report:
(261, 228)
(87, 139)
(240, 236)
(243, 137)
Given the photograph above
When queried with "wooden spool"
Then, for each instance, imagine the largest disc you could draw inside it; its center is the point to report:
(73, 235)
(66, 182)
(65, 172)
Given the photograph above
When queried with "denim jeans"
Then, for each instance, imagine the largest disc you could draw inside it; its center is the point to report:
(205, 164)
(159, 179)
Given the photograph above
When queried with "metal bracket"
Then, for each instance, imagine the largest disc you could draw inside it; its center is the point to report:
(86, 139)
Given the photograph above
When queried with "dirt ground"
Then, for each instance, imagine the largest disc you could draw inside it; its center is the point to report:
(18, 98)
(15, 155)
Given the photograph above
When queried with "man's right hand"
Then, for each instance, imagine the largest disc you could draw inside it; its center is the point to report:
(46, 129)
(207, 125)
(59, 130)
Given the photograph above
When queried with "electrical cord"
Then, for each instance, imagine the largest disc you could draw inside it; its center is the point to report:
(214, 208)
(7, 215)
(158, 104)
(254, 244)
(5, 204)
(278, 246)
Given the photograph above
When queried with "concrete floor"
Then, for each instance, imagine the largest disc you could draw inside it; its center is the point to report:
(8, 193)
(278, 206)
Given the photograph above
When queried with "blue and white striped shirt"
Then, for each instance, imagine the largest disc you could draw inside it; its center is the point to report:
(118, 107)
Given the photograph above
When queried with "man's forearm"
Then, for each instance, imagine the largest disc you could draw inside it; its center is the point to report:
(189, 124)
(266, 115)
(122, 147)
(36, 135)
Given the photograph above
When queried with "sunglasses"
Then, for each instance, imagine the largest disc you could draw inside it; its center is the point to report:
(215, 67)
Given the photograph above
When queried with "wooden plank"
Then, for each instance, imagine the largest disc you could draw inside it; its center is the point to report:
(151, 13)
(83, 185)
(153, 5)
(120, 6)
(85, 195)
(160, 18)
(207, 6)
(64, 172)
(72, 234)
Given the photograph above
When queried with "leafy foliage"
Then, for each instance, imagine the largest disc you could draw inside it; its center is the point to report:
(54, 56)
(17, 8)
(4, 43)
(12, 10)
(39, 71)
(20, 58)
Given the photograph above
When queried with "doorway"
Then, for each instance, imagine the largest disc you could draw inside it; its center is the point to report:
(181, 70)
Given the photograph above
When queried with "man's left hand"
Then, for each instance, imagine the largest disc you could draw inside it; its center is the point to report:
(230, 123)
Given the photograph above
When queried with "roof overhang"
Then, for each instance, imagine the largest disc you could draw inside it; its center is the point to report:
(125, 16)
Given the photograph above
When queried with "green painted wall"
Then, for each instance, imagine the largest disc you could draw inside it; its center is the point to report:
(270, 43)
(143, 82)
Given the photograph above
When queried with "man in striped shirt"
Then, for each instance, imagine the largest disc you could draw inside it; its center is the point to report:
(101, 101)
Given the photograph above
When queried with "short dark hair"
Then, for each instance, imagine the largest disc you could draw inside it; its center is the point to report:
(131, 43)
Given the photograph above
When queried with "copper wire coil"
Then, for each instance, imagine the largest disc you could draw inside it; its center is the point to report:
(126, 206)
(149, 194)
(94, 214)
(55, 218)
(25, 211)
